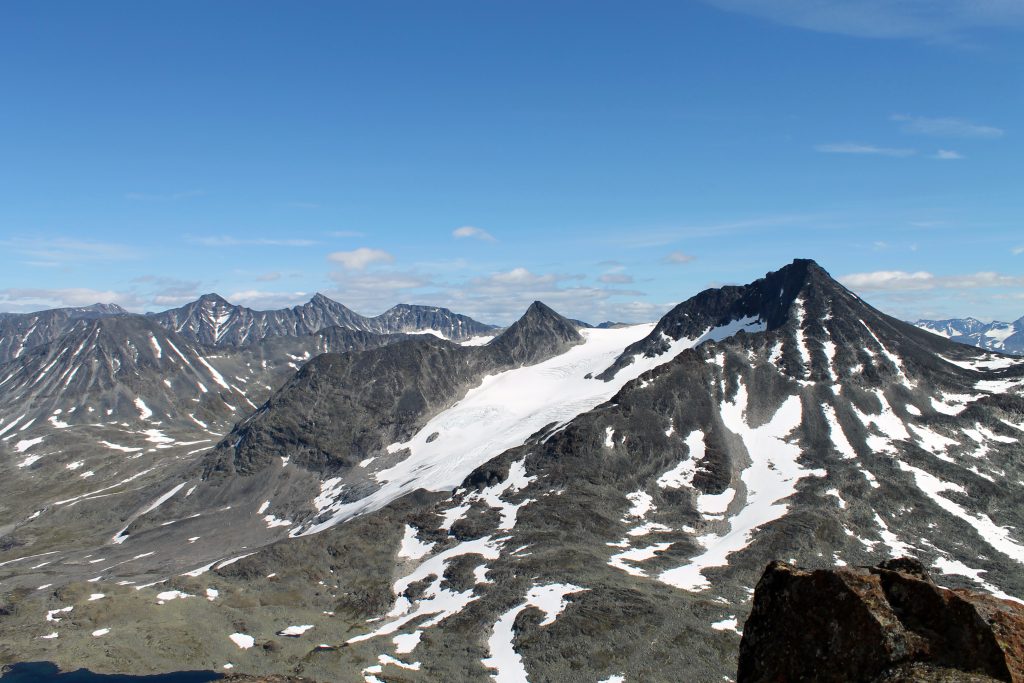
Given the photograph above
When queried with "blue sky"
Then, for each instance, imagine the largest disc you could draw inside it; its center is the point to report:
(609, 158)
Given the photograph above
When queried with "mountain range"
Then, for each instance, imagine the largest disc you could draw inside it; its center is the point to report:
(211, 321)
(559, 503)
(998, 336)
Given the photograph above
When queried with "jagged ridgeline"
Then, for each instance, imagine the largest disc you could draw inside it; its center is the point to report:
(996, 336)
(562, 503)
(212, 321)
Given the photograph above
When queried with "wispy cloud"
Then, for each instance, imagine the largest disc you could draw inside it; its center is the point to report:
(34, 299)
(346, 233)
(360, 258)
(866, 150)
(166, 197)
(469, 231)
(1017, 251)
(615, 279)
(947, 155)
(677, 258)
(66, 251)
(229, 241)
(931, 19)
(946, 127)
(499, 296)
(900, 280)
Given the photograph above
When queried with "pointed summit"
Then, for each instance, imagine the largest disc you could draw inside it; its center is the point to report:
(322, 300)
(213, 298)
(539, 334)
(791, 297)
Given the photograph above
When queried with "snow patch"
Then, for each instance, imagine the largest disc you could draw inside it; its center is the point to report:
(504, 659)
(770, 479)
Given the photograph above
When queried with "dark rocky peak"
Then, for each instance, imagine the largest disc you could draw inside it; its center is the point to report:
(816, 328)
(765, 304)
(889, 623)
(539, 334)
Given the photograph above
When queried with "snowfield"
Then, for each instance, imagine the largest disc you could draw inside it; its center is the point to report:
(509, 407)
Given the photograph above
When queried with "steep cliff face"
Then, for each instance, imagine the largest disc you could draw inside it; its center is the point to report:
(883, 623)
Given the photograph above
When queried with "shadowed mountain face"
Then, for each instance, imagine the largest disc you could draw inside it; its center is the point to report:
(383, 394)
(995, 336)
(212, 321)
(550, 507)
(539, 334)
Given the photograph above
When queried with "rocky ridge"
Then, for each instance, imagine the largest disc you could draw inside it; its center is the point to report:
(213, 321)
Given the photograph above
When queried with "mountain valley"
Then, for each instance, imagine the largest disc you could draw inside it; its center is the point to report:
(420, 497)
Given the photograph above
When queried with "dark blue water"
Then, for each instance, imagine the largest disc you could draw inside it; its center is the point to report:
(47, 672)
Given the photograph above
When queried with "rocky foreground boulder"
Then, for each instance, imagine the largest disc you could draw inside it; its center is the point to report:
(888, 623)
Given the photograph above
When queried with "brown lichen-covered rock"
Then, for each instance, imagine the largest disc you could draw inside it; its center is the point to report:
(243, 678)
(886, 623)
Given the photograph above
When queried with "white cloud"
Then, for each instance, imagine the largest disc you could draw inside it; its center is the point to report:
(346, 233)
(929, 19)
(1017, 251)
(229, 241)
(473, 232)
(861, 149)
(615, 278)
(499, 297)
(888, 279)
(34, 299)
(947, 155)
(360, 258)
(268, 277)
(946, 127)
(522, 276)
(678, 257)
(899, 280)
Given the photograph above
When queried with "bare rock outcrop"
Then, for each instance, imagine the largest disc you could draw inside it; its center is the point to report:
(888, 623)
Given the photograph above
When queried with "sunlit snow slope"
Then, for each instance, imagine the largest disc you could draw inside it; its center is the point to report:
(508, 407)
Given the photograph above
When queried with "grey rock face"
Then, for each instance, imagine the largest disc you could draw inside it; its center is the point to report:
(539, 334)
